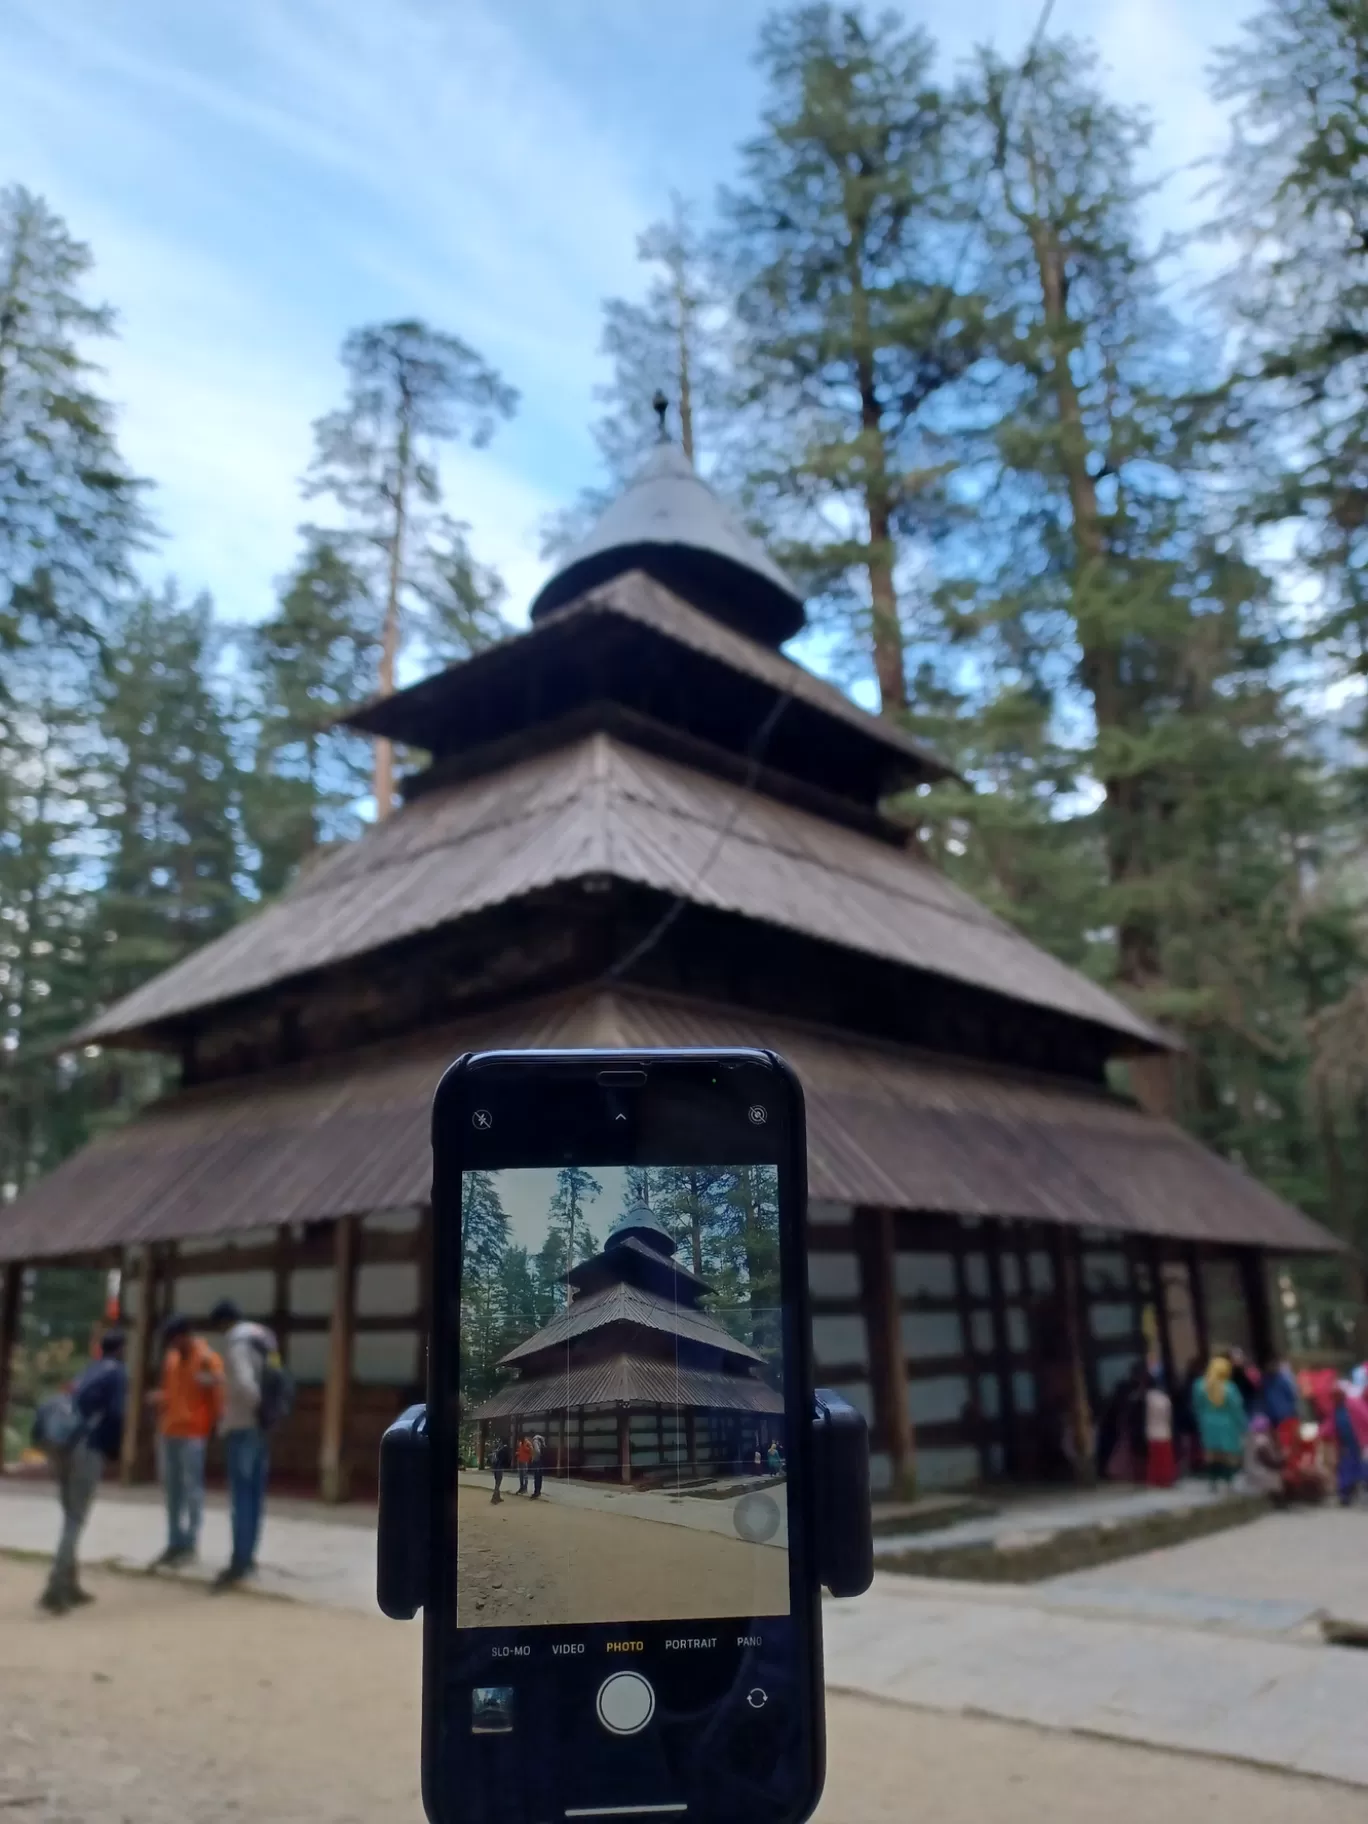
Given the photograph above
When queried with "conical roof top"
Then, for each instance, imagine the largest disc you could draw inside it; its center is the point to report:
(668, 522)
(640, 1222)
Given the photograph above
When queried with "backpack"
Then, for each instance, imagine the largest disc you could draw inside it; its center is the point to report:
(58, 1425)
(277, 1393)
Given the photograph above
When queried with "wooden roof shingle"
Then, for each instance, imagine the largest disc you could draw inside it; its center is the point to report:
(886, 1126)
(601, 808)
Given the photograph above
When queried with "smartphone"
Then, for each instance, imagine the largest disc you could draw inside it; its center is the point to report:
(623, 1620)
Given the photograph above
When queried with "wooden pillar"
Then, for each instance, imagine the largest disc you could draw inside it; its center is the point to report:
(885, 1337)
(1199, 1304)
(995, 1241)
(1158, 1295)
(624, 1445)
(1079, 1408)
(982, 1426)
(691, 1436)
(134, 1452)
(332, 1454)
(1254, 1284)
(9, 1336)
(280, 1285)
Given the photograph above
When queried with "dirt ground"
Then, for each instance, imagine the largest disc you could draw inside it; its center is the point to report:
(527, 1562)
(161, 1704)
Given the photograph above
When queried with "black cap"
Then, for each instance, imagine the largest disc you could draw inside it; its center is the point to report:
(175, 1326)
(224, 1312)
(112, 1342)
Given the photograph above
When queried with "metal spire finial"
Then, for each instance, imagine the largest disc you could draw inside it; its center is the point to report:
(660, 405)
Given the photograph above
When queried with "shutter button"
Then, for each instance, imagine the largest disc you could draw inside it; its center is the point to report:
(626, 1703)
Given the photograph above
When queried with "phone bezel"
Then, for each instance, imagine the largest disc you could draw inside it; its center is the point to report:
(541, 1074)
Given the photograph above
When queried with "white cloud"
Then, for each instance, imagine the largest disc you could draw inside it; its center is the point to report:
(257, 178)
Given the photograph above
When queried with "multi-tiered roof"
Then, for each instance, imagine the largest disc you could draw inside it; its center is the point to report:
(639, 823)
(634, 1333)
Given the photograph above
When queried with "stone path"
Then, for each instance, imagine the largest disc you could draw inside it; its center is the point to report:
(1211, 1646)
(1045, 1515)
(308, 1559)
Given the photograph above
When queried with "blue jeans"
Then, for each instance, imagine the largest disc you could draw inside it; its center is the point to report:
(248, 1464)
(183, 1483)
(78, 1476)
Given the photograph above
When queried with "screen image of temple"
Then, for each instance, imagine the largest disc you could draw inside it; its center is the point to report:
(635, 1380)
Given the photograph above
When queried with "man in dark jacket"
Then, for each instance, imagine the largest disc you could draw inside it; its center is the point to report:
(499, 1463)
(100, 1397)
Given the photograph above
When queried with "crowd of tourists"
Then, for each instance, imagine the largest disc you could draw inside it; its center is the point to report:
(238, 1396)
(1294, 1436)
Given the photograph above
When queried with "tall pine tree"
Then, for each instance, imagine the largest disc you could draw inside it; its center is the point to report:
(1127, 704)
(303, 667)
(855, 333)
(71, 519)
(1295, 215)
(70, 510)
(170, 809)
(410, 390)
(484, 1287)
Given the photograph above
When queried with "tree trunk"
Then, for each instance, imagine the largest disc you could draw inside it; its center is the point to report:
(890, 665)
(389, 638)
(746, 1186)
(1138, 962)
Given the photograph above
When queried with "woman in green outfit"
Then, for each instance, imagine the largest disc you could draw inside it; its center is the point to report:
(1221, 1420)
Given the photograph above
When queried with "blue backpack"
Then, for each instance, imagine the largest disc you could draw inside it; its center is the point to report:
(58, 1425)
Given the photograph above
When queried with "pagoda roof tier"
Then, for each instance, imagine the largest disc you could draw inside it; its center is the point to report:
(646, 1264)
(636, 1306)
(628, 1380)
(887, 1126)
(669, 522)
(601, 811)
(640, 646)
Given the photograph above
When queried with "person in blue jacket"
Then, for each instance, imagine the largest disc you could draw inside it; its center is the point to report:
(100, 1397)
(1278, 1396)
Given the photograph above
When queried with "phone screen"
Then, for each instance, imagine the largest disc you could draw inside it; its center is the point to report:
(625, 1627)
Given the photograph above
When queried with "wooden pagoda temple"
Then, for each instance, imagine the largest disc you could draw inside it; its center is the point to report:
(634, 1376)
(640, 823)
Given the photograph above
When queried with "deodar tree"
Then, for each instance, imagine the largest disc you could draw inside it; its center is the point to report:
(854, 332)
(410, 390)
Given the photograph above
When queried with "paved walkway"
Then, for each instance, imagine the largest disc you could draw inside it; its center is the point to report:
(317, 1558)
(1043, 1516)
(1279, 1701)
(1212, 1646)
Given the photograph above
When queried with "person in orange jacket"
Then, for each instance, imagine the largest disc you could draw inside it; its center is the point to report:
(188, 1404)
(522, 1456)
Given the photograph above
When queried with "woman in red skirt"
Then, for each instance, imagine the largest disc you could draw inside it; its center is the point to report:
(1160, 1469)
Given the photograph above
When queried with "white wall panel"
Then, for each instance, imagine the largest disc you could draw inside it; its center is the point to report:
(385, 1358)
(311, 1292)
(840, 1341)
(387, 1289)
(834, 1275)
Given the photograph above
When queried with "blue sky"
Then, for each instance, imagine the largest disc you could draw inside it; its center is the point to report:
(256, 177)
